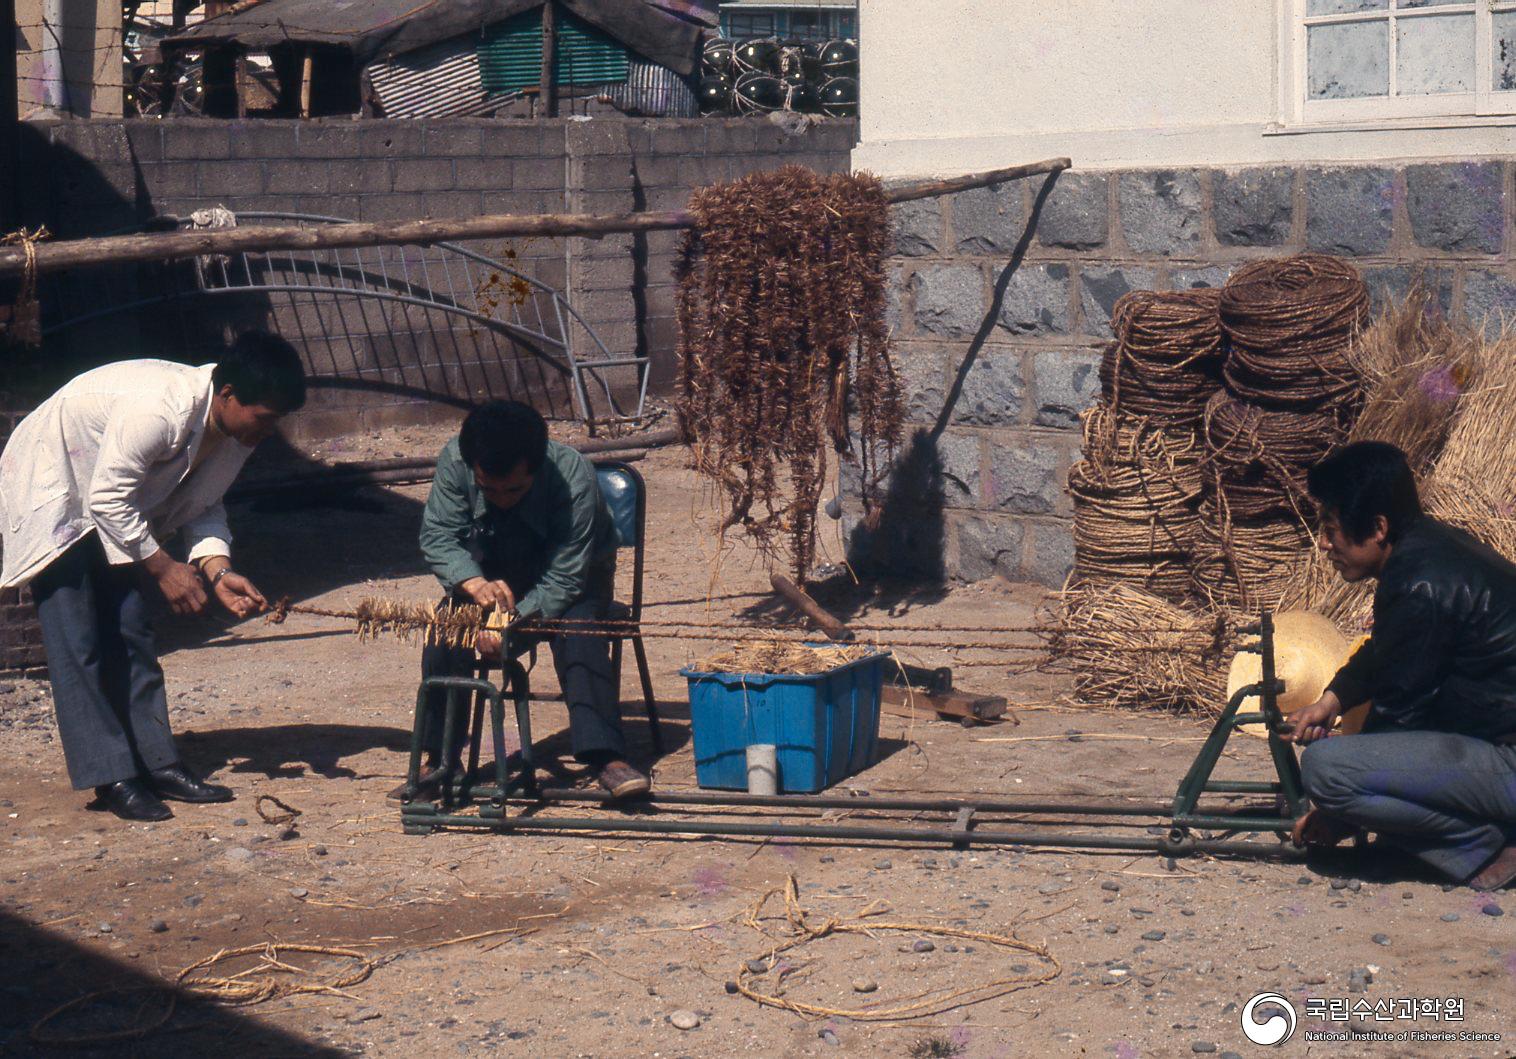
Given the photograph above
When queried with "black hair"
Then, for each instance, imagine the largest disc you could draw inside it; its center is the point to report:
(498, 435)
(262, 368)
(1360, 482)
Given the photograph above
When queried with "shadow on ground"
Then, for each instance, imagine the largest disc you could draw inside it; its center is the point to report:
(41, 971)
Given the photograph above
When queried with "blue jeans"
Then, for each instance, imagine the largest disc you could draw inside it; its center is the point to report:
(1448, 799)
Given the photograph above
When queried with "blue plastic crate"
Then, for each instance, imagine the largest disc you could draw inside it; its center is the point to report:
(825, 726)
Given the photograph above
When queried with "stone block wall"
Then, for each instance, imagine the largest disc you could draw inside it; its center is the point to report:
(1002, 301)
(397, 364)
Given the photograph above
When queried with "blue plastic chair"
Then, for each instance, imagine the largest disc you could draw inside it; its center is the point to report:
(626, 495)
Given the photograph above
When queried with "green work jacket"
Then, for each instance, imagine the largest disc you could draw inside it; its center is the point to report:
(553, 546)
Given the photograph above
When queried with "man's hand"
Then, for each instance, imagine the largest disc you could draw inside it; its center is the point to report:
(237, 594)
(179, 582)
(1316, 828)
(1313, 722)
(495, 594)
(489, 644)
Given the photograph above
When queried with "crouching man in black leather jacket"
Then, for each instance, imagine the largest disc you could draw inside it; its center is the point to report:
(1434, 770)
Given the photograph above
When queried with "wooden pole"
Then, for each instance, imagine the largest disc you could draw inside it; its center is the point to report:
(307, 69)
(825, 620)
(547, 89)
(169, 246)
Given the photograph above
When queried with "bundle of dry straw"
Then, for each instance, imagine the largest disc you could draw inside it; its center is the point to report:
(1182, 666)
(783, 657)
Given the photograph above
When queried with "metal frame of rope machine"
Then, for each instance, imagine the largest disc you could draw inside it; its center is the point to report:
(511, 784)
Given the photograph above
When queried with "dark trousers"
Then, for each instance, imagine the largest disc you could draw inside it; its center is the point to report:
(107, 684)
(1448, 799)
(585, 674)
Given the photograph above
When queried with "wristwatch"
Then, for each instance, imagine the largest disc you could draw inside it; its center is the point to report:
(219, 574)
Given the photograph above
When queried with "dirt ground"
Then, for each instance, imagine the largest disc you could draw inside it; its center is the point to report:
(588, 945)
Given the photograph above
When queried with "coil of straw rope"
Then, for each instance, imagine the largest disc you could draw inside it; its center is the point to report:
(1167, 351)
(1289, 325)
(1248, 563)
(1258, 458)
(1136, 495)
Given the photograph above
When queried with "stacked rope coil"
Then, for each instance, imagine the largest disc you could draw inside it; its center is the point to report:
(1289, 325)
(1136, 495)
(1291, 394)
(1167, 352)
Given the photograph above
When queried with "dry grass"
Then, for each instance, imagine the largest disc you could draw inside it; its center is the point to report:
(791, 659)
(1127, 647)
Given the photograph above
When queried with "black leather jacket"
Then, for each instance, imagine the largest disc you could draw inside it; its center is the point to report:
(1442, 656)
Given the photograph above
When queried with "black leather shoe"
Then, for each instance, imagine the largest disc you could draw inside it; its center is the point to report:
(181, 785)
(131, 800)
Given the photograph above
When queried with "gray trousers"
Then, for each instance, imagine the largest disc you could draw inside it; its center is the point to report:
(1448, 799)
(585, 674)
(107, 684)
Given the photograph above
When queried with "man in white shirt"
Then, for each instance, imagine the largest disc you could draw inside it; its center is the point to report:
(119, 459)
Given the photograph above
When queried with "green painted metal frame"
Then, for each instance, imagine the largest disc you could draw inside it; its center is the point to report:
(513, 784)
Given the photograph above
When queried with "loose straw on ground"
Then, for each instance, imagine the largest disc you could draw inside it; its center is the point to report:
(868, 923)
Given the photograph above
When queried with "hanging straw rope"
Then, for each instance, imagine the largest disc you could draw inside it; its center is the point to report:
(1289, 326)
(784, 348)
(803, 931)
(26, 314)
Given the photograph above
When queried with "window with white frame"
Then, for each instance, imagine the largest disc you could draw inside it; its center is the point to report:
(1365, 60)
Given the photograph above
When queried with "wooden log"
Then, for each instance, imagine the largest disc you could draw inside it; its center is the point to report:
(826, 621)
(949, 705)
(169, 246)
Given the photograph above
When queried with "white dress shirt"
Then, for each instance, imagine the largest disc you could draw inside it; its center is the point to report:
(115, 453)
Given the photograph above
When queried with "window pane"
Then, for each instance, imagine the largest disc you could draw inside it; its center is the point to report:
(1435, 54)
(1504, 43)
(1343, 7)
(1427, 3)
(1348, 61)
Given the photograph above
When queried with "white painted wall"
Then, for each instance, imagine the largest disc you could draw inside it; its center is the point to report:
(951, 86)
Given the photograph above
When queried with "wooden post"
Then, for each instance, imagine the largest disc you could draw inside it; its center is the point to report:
(239, 84)
(547, 89)
(307, 67)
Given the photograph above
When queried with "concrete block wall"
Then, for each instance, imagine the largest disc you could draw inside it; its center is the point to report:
(399, 362)
(1002, 300)
(20, 635)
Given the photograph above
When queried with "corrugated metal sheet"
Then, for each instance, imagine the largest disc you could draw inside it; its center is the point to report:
(510, 56)
(655, 91)
(432, 82)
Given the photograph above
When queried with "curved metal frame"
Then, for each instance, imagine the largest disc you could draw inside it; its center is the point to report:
(557, 350)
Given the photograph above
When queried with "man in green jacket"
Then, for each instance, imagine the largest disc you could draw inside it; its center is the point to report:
(516, 522)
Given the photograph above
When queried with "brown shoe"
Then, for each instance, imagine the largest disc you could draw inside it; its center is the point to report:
(620, 780)
(1499, 872)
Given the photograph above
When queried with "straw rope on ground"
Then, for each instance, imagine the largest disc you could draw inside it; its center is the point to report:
(868, 923)
(270, 979)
